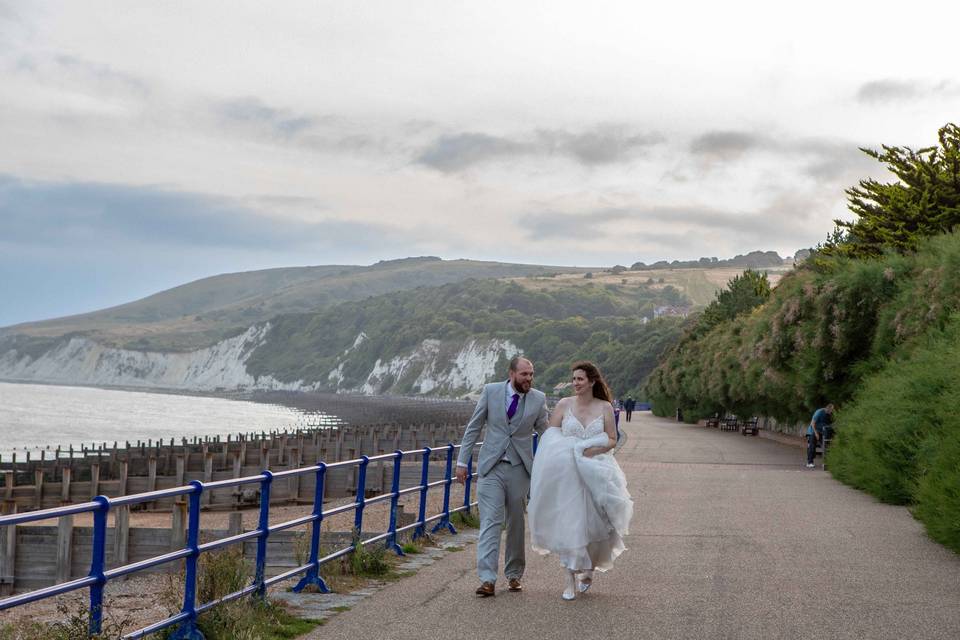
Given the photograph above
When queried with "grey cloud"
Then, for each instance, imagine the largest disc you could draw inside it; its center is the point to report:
(879, 91)
(603, 144)
(322, 132)
(889, 90)
(451, 153)
(824, 159)
(543, 225)
(253, 111)
(92, 76)
(775, 223)
(79, 216)
(728, 144)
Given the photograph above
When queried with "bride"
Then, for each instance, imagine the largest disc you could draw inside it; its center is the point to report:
(579, 506)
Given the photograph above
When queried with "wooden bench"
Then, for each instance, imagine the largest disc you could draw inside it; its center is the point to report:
(714, 420)
(729, 423)
(750, 426)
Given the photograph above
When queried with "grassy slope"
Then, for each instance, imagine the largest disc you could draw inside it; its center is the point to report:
(553, 326)
(202, 312)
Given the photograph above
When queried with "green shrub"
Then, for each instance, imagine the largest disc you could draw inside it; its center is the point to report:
(249, 618)
(369, 560)
(899, 438)
(74, 625)
(822, 331)
(460, 519)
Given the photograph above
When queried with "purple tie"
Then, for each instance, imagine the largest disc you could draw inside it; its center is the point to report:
(513, 406)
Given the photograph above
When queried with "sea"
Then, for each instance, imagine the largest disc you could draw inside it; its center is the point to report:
(35, 417)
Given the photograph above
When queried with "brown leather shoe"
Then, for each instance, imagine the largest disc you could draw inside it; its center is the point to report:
(515, 585)
(486, 590)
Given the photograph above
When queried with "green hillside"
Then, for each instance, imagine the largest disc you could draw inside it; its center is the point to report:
(200, 313)
(604, 323)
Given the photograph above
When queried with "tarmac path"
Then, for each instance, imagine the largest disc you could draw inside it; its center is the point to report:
(731, 538)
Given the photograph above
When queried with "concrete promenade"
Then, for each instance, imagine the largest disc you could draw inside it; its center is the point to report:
(732, 538)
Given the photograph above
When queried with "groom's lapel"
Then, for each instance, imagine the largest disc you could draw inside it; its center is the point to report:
(502, 406)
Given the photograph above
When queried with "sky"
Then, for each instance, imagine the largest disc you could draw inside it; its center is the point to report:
(147, 144)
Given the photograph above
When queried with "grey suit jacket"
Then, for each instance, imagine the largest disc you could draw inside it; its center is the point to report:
(491, 411)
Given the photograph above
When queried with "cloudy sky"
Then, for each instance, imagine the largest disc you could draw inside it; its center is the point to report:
(146, 144)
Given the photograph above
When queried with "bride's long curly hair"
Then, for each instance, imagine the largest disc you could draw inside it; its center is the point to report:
(600, 388)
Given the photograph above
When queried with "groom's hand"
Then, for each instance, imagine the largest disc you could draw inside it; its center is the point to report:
(461, 474)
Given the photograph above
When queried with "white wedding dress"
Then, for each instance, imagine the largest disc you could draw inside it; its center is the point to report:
(579, 507)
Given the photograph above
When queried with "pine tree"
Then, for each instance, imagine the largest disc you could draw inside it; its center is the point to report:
(925, 200)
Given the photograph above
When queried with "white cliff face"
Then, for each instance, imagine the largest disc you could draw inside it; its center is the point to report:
(83, 361)
(432, 367)
(434, 370)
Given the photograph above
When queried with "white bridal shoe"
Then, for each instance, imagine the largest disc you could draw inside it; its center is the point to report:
(570, 582)
(584, 581)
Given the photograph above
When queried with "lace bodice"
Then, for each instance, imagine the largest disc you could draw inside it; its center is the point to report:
(570, 426)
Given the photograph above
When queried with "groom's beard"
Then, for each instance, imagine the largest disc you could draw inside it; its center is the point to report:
(523, 387)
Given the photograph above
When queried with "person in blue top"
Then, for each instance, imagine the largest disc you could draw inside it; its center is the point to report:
(818, 423)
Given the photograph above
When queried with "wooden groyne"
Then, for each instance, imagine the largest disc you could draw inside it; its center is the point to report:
(363, 426)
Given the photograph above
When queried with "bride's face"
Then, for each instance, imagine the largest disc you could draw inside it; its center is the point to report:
(581, 384)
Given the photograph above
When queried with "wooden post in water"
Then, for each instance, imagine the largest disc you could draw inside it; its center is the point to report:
(178, 532)
(205, 497)
(94, 480)
(65, 485)
(8, 545)
(38, 487)
(121, 536)
(152, 478)
(181, 470)
(64, 548)
(264, 455)
(124, 474)
(294, 484)
(8, 479)
(237, 470)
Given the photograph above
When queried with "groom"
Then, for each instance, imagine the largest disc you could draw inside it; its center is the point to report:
(511, 410)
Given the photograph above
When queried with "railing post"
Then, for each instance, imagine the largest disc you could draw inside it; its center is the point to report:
(97, 562)
(361, 495)
(420, 531)
(395, 492)
(448, 480)
(264, 527)
(466, 485)
(187, 630)
(313, 576)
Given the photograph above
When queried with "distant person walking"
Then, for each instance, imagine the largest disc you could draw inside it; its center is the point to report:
(815, 430)
(629, 406)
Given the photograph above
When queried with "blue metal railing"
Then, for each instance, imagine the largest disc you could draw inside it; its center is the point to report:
(186, 620)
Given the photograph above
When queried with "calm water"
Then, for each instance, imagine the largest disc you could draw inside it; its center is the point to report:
(37, 416)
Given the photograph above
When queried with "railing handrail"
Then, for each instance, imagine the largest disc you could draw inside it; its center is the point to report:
(102, 505)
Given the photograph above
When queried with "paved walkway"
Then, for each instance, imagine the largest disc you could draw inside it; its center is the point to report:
(732, 538)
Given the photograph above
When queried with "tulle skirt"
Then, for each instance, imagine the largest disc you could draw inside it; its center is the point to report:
(579, 507)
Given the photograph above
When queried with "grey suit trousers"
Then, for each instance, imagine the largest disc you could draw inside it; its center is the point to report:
(502, 496)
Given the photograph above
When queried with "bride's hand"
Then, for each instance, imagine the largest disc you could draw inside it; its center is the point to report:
(593, 451)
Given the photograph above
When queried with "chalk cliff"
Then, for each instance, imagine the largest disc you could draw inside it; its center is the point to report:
(433, 367)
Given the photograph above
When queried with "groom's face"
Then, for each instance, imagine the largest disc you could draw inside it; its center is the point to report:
(522, 378)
